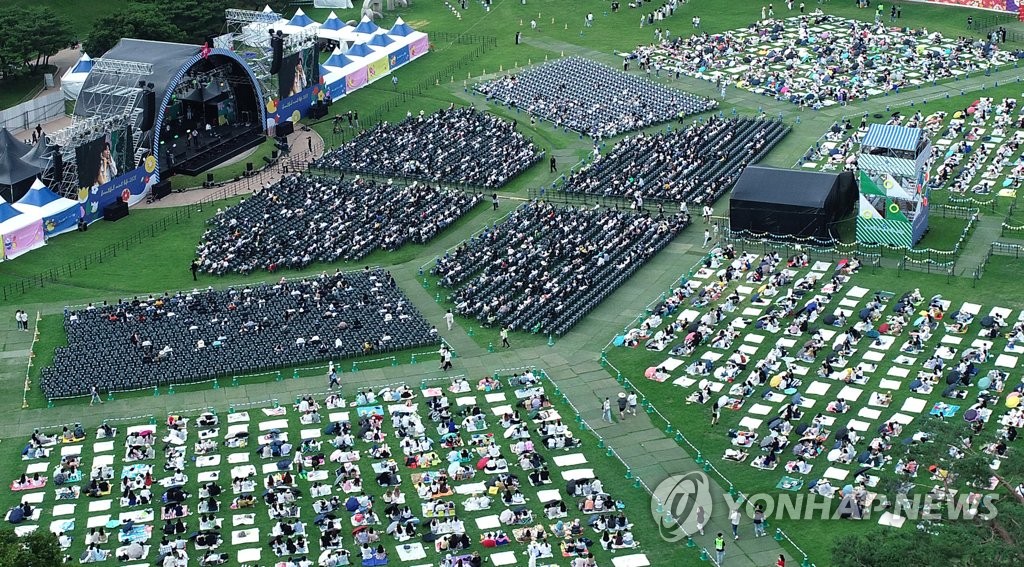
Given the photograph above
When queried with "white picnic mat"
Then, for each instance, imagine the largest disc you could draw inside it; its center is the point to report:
(836, 474)
(760, 409)
(577, 474)
(488, 522)
(748, 423)
(818, 388)
(570, 460)
(914, 405)
(273, 424)
(849, 393)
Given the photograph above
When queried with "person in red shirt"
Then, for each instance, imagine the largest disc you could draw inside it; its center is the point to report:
(781, 562)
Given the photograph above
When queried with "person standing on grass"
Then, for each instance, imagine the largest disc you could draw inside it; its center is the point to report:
(715, 414)
(95, 393)
(631, 400)
(622, 406)
(195, 269)
(707, 237)
(449, 319)
(494, 201)
(734, 520)
(758, 521)
(504, 338)
(606, 410)
(332, 375)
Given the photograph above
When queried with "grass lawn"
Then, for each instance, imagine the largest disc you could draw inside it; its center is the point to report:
(693, 419)
(14, 91)
(85, 511)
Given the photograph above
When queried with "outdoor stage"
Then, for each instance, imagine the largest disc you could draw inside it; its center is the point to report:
(212, 148)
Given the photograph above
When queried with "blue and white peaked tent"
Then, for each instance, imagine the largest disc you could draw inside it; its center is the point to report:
(72, 80)
(301, 20)
(338, 60)
(59, 214)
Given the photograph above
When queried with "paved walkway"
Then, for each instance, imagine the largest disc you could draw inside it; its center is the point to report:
(987, 230)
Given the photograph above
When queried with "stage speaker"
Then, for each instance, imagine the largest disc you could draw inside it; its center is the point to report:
(115, 211)
(210, 39)
(277, 48)
(209, 178)
(58, 165)
(274, 154)
(285, 128)
(248, 168)
(162, 189)
(148, 110)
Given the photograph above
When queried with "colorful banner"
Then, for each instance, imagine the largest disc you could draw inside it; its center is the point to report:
(130, 187)
(337, 88)
(400, 57)
(22, 240)
(419, 47)
(294, 107)
(61, 222)
(1000, 5)
(377, 69)
(355, 80)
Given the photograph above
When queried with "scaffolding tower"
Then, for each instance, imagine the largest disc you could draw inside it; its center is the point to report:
(117, 93)
(82, 130)
(250, 38)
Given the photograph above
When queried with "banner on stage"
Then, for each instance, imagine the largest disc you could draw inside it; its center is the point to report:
(377, 69)
(22, 240)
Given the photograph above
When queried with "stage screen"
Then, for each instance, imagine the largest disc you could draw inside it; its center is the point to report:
(298, 71)
(97, 164)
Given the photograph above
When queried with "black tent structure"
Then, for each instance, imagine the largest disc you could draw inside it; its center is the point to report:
(15, 174)
(768, 202)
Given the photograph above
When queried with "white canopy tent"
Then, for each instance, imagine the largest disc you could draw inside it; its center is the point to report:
(344, 4)
(72, 80)
(16, 223)
(59, 214)
(335, 29)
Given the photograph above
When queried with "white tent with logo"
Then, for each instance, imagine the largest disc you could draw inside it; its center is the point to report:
(59, 214)
(21, 232)
(72, 80)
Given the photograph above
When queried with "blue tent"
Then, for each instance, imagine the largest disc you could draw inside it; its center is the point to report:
(84, 64)
(300, 19)
(401, 28)
(38, 196)
(337, 59)
(59, 214)
(381, 40)
(359, 50)
(367, 27)
(7, 212)
(332, 23)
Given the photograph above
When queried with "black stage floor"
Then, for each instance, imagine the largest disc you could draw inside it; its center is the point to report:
(214, 147)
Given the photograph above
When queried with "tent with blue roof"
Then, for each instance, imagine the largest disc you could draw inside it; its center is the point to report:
(72, 80)
(59, 214)
(359, 50)
(335, 29)
(338, 60)
(381, 40)
(301, 20)
(367, 26)
(20, 232)
(401, 28)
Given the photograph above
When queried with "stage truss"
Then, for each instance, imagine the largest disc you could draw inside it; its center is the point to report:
(116, 94)
(249, 33)
(81, 131)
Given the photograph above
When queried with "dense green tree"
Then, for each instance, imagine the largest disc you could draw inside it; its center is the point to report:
(994, 537)
(31, 35)
(38, 549)
(138, 22)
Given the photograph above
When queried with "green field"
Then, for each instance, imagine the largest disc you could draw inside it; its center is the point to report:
(150, 251)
